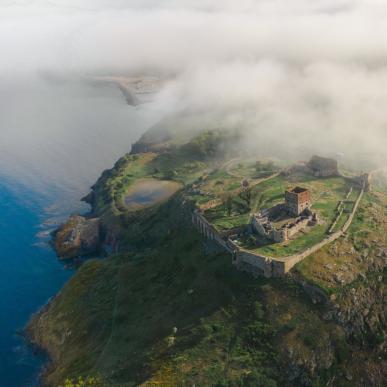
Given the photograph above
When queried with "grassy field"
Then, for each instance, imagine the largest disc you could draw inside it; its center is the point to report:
(326, 194)
(179, 167)
(172, 315)
(174, 311)
(343, 261)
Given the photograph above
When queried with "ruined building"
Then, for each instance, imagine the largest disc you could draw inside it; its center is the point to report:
(323, 167)
(297, 204)
(297, 200)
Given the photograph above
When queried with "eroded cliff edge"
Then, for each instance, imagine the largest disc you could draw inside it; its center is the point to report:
(170, 301)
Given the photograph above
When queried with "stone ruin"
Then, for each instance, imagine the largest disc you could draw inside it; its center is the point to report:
(297, 200)
(317, 166)
(323, 166)
(297, 204)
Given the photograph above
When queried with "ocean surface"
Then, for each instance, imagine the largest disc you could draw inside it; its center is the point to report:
(55, 140)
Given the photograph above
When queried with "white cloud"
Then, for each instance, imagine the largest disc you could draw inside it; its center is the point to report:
(313, 70)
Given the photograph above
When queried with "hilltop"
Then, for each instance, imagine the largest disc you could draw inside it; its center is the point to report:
(169, 306)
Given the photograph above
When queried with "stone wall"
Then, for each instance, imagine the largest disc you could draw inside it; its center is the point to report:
(292, 260)
(253, 263)
(302, 223)
(258, 264)
(278, 235)
(206, 228)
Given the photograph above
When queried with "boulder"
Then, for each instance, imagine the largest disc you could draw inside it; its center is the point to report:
(78, 236)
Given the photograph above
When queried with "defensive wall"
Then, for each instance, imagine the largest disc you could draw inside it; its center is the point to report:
(261, 265)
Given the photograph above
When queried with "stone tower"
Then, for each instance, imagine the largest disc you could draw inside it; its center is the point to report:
(297, 200)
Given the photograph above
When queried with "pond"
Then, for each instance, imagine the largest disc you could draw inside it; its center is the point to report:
(145, 193)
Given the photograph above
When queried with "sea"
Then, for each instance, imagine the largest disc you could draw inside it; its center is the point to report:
(56, 137)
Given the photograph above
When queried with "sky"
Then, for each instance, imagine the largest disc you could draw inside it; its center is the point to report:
(290, 73)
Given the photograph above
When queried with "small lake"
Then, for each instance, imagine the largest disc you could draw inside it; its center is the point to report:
(148, 192)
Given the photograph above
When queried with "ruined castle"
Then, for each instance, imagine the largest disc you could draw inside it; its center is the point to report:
(297, 205)
(323, 167)
(297, 200)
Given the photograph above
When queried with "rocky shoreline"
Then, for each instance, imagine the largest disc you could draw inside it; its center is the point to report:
(79, 236)
(356, 312)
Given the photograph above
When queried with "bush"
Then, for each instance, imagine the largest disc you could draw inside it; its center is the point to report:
(94, 381)
(257, 379)
(342, 350)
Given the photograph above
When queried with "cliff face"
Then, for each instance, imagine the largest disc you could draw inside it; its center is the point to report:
(170, 309)
(361, 311)
(78, 236)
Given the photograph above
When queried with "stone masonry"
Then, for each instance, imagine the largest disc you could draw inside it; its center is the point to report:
(297, 200)
(258, 264)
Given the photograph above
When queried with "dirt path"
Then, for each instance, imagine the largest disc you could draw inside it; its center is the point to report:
(229, 164)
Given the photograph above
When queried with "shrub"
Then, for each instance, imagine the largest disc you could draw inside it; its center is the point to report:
(94, 381)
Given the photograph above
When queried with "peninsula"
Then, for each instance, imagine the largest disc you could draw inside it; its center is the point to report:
(224, 269)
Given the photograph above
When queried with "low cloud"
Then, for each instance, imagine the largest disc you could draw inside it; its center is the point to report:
(295, 75)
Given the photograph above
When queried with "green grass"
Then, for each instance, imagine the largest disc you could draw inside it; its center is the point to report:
(117, 317)
(367, 233)
(252, 169)
(122, 312)
(229, 222)
(325, 192)
(300, 243)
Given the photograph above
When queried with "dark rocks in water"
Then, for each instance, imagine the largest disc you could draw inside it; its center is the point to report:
(78, 236)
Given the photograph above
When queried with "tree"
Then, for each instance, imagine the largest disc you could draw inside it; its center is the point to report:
(228, 204)
(246, 196)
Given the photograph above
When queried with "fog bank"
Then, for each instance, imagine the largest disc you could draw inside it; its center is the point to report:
(294, 75)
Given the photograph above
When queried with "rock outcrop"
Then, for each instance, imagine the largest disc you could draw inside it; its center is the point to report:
(361, 311)
(78, 236)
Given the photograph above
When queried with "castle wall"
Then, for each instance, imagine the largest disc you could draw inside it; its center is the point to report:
(294, 259)
(260, 265)
(326, 172)
(280, 235)
(258, 227)
(253, 263)
(297, 227)
(206, 229)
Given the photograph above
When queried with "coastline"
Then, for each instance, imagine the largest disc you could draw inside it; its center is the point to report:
(54, 331)
(34, 337)
(109, 239)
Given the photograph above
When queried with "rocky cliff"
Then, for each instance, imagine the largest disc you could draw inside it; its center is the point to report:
(78, 236)
(171, 310)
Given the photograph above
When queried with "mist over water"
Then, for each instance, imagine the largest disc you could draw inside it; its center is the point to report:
(55, 140)
(296, 77)
(60, 136)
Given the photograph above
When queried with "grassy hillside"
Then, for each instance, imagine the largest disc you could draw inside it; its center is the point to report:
(172, 311)
(179, 313)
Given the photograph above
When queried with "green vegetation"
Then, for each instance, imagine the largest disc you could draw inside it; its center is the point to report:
(252, 169)
(300, 243)
(210, 144)
(173, 311)
(342, 262)
(84, 382)
(235, 210)
(172, 315)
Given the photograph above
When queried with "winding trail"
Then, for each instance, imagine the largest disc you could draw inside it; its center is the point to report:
(278, 266)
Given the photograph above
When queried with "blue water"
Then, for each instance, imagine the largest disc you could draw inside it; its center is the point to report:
(29, 275)
(55, 140)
